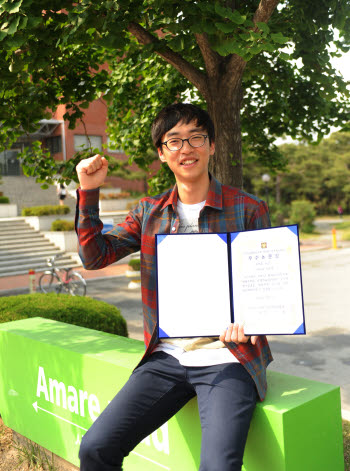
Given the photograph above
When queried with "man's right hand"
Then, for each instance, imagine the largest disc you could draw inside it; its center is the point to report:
(92, 172)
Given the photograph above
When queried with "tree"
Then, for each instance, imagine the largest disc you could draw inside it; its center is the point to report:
(262, 68)
(319, 174)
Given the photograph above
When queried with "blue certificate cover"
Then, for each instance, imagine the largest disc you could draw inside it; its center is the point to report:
(207, 281)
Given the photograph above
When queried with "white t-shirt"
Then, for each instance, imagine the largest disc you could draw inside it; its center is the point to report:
(200, 351)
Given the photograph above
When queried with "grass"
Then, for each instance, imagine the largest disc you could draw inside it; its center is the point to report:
(30, 454)
(342, 225)
(346, 436)
(309, 235)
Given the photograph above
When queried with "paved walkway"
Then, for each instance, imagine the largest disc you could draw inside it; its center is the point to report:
(21, 282)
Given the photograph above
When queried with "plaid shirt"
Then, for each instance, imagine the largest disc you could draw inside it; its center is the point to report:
(226, 209)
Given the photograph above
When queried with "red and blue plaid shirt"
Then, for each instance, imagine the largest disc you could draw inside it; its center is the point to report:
(226, 209)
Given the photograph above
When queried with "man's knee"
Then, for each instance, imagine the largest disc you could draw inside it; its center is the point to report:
(95, 456)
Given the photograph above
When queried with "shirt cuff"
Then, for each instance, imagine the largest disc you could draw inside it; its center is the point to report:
(88, 197)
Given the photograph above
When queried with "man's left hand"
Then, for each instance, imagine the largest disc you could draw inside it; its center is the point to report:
(235, 333)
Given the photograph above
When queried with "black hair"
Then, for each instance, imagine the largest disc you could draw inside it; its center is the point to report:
(172, 114)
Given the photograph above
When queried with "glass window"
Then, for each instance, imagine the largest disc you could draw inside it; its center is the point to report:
(81, 142)
(54, 144)
(9, 163)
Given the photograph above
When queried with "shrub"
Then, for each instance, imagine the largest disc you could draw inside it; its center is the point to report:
(45, 210)
(62, 225)
(279, 213)
(135, 264)
(4, 200)
(76, 310)
(303, 213)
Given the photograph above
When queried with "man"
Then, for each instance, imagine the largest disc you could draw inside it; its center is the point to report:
(228, 374)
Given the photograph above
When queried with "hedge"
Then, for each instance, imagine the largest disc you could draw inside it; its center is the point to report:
(45, 210)
(4, 200)
(62, 225)
(76, 310)
(135, 264)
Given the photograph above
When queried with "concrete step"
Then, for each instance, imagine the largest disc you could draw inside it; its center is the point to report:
(15, 229)
(21, 235)
(23, 248)
(27, 259)
(4, 245)
(29, 250)
(37, 266)
(29, 254)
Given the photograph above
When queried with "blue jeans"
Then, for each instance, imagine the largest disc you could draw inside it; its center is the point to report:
(159, 388)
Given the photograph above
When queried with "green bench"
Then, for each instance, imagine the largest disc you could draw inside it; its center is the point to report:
(56, 378)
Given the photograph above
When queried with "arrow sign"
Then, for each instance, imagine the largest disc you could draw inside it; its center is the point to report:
(36, 407)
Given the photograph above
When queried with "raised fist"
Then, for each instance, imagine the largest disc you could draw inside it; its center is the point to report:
(92, 172)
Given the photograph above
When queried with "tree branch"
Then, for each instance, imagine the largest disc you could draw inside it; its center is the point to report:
(265, 10)
(211, 58)
(263, 13)
(192, 74)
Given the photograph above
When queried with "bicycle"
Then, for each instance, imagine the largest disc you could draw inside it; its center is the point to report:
(50, 281)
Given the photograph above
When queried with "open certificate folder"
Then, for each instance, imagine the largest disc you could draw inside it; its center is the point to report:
(207, 281)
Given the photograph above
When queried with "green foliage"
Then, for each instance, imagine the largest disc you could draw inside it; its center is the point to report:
(279, 213)
(318, 173)
(62, 225)
(303, 214)
(45, 210)
(76, 310)
(4, 200)
(135, 264)
(51, 56)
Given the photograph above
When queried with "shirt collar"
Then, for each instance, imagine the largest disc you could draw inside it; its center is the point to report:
(214, 197)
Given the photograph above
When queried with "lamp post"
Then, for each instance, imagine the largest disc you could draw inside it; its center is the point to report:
(266, 178)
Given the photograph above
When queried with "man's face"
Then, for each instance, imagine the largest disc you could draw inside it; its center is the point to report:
(188, 163)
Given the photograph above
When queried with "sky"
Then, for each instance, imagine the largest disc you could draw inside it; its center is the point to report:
(343, 65)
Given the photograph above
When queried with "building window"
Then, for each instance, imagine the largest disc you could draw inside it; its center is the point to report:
(9, 163)
(54, 144)
(81, 142)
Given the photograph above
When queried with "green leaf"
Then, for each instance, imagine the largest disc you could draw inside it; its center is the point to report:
(12, 7)
(279, 38)
(34, 21)
(209, 27)
(13, 25)
(284, 56)
(269, 47)
(225, 27)
(15, 41)
(263, 26)
(237, 18)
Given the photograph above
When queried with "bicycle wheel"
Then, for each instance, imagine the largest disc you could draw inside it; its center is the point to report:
(76, 284)
(50, 283)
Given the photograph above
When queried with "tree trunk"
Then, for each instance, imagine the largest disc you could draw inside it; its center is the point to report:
(224, 109)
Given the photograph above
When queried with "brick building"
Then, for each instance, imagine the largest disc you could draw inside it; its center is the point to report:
(63, 143)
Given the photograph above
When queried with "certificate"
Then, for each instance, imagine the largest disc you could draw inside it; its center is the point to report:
(207, 281)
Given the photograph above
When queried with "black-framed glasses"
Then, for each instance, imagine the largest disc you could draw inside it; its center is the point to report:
(176, 143)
